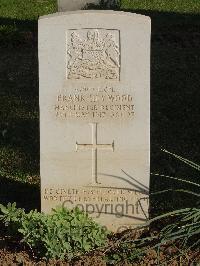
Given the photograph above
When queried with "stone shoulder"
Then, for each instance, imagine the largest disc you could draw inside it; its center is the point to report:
(96, 12)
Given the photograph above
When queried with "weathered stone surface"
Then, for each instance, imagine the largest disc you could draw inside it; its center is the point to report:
(70, 5)
(95, 114)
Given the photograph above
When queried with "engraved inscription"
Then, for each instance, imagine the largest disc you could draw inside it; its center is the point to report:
(93, 54)
(98, 201)
(94, 147)
(94, 104)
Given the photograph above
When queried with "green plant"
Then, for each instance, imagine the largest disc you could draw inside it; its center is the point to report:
(126, 251)
(105, 4)
(182, 229)
(110, 3)
(186, 227)
(10, 216)
(61, 234)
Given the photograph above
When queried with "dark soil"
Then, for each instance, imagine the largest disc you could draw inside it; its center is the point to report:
(15, 253)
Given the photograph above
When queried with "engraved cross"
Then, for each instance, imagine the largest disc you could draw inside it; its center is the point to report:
(94, 146)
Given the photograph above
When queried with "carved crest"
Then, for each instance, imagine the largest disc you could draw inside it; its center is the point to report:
(93, 54)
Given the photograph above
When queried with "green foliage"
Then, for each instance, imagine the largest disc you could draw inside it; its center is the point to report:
(179, 6)
(194, 166)
(110, 4)
(61, 234)
(125, 252)
(11, 217)
(14, 164)
(26, 9)
(18, 17)
(183, 228)
(186, 226)
(183, 232)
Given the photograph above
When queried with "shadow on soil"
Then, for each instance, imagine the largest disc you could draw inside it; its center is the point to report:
(175, 94)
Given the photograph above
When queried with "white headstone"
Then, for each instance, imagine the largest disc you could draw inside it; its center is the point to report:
(94, 73)
(70, 5)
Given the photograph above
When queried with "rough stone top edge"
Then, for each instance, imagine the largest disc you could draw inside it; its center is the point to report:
(106, 12)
